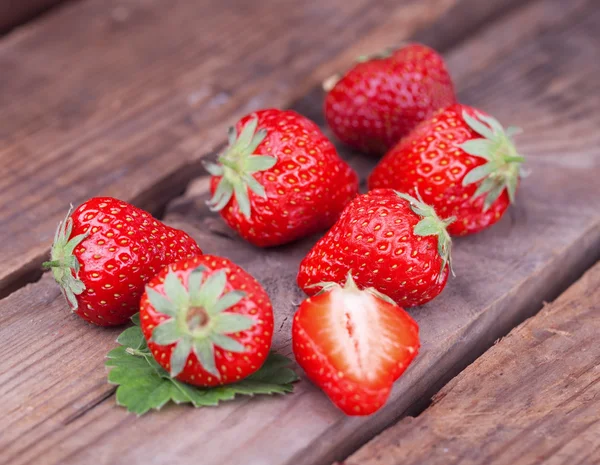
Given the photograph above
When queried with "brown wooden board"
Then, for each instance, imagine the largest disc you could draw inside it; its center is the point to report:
(123, 97)
(56, 404)
(16, 12)
(534, 398)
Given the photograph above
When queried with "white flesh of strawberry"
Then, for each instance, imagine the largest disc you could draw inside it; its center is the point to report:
(362, 329)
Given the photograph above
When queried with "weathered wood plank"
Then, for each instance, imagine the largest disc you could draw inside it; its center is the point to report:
(148, 93)
(534, 398)
(16, 12)
(527, 257)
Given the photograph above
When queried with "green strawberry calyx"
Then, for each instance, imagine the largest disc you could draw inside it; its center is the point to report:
(381, 54)
(63, 263)
(236, 167)
(502, 169)
(432, 225)
(198, 319)
(350, 286)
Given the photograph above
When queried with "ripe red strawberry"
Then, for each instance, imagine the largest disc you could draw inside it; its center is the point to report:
(207, 321)
(463, 163)
(106, 251)
(382, 99)
(280, 179)
(354, 344)
(387, 240)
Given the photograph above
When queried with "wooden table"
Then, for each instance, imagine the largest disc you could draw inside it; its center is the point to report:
(125, 97)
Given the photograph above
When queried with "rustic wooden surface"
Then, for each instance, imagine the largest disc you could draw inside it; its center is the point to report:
(532, 399)
(534, 67)
(16, 12)
(117, 97)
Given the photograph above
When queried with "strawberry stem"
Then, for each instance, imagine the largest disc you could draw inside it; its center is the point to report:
(136, 352)
(502, 169)
(63, 263)
(432, 225)
(236, 167)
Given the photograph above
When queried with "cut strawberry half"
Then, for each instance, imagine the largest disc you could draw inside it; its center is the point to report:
(354, 344)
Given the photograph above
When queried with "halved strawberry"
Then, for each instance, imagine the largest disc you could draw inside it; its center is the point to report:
(354, 344)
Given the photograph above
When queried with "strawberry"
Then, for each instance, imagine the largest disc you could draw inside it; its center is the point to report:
(384, 97)
(104, 253)
(387, 240)
(207, 321)
(354, 344)
(280, 179)
(463, 163)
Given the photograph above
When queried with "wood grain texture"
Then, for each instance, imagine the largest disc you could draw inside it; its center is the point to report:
(17, 12)
(547, 239)
(532, 399)
(116, 97)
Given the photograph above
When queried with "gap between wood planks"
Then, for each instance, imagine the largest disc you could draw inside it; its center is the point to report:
(17, 13)
(155, 196)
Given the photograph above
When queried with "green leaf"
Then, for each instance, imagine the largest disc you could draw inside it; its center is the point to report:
(275, 366)
(143, 393)
(144, 385)
(132, 337)
(135, 319)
